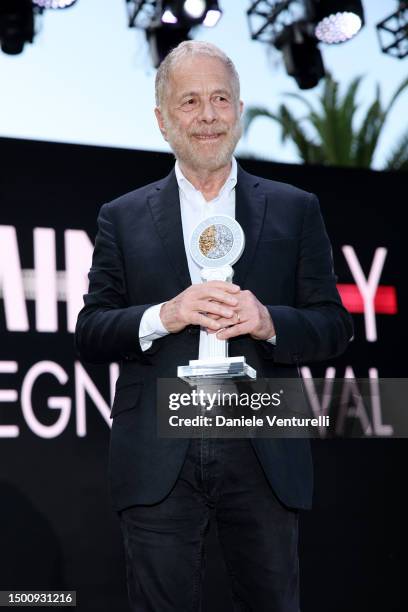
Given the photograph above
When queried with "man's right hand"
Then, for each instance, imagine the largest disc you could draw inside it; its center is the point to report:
(189, 306)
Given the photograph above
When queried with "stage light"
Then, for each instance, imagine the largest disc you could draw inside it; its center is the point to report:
(16, 25)
(194, 8)
(162, 40)
(393, 32)
(337, 20)
(301, 55)
(168, 17)
(190, 12)
(54, 4)
(168, 22)
(212, 17)
(287, 25)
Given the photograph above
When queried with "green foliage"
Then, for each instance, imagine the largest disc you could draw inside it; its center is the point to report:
(335, 139)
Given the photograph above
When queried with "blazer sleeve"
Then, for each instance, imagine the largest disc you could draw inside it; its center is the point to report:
(318, 327)
(107, 327)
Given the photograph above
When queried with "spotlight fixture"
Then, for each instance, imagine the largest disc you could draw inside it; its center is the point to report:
(301, 55)
(190, 12)
(18, 19)
(213, 15)
(393, 32)
(194, 9)
(286, 25)
(162, 40)
(16, 25)
(336, 20)
(54, 4)
(168, 22)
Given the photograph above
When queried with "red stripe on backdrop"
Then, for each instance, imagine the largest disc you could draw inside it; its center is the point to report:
(385, 299)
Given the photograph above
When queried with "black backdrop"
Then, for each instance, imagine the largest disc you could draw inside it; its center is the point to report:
(57, 529)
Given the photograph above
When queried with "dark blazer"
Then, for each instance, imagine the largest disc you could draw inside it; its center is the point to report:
(139, 260)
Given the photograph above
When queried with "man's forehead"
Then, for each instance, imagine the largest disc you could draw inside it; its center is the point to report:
(194, 75)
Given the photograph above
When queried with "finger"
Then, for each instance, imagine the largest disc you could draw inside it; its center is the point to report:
(199, 318)
(218, 295)
(214, 308)
(213, 316)
(232, 331)
(214, 331)
(228, 321)
(225, 285)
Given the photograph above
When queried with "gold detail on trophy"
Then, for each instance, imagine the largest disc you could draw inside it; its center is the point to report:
(207, 240)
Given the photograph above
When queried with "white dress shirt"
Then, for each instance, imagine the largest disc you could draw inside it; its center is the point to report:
(194, 209)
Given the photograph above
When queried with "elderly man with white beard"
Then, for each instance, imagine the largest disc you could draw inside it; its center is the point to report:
(147, 308)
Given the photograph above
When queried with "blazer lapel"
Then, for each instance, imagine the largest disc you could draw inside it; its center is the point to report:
(250, 213)
(165, 207)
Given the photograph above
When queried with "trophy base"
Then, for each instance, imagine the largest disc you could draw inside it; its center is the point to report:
(216, 368)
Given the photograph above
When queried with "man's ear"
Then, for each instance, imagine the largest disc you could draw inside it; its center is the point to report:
(241, 107)
(159, 117)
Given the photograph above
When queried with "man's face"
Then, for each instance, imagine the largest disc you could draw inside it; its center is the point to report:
(200, 117)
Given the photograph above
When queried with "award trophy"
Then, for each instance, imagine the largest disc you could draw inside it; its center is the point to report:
(216, 243)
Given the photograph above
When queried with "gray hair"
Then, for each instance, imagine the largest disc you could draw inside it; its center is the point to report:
(189, 48)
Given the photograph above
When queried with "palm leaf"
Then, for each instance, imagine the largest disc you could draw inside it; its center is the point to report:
(398, 159)
(308, 151)
(336, 141)
(349, 105)
(252, 113)
(330, 132)
(346, 112)
(316, 120)
(290, 128)
(396, 95)
(296, 96)
(367, 136)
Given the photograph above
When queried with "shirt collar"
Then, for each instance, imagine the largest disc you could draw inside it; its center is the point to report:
(189, 189)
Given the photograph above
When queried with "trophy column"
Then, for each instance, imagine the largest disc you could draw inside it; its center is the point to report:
(210, 346)
(216, 243)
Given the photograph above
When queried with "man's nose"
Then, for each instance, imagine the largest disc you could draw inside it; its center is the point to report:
(208, 112)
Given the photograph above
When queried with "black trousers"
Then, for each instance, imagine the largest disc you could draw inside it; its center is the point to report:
(165, 542)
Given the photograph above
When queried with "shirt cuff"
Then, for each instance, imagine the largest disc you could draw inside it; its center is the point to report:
(272, 340)
(151, 327)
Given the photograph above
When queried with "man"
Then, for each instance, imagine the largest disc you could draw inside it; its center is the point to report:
(147, 309)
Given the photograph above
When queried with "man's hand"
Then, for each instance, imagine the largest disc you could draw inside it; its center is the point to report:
(214, 298)
(250, 317)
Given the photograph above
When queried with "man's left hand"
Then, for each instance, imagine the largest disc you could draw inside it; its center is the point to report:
(250, 317)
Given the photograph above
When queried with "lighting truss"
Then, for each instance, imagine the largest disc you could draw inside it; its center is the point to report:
(267, 19)
(393, 32)
(142, 13)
